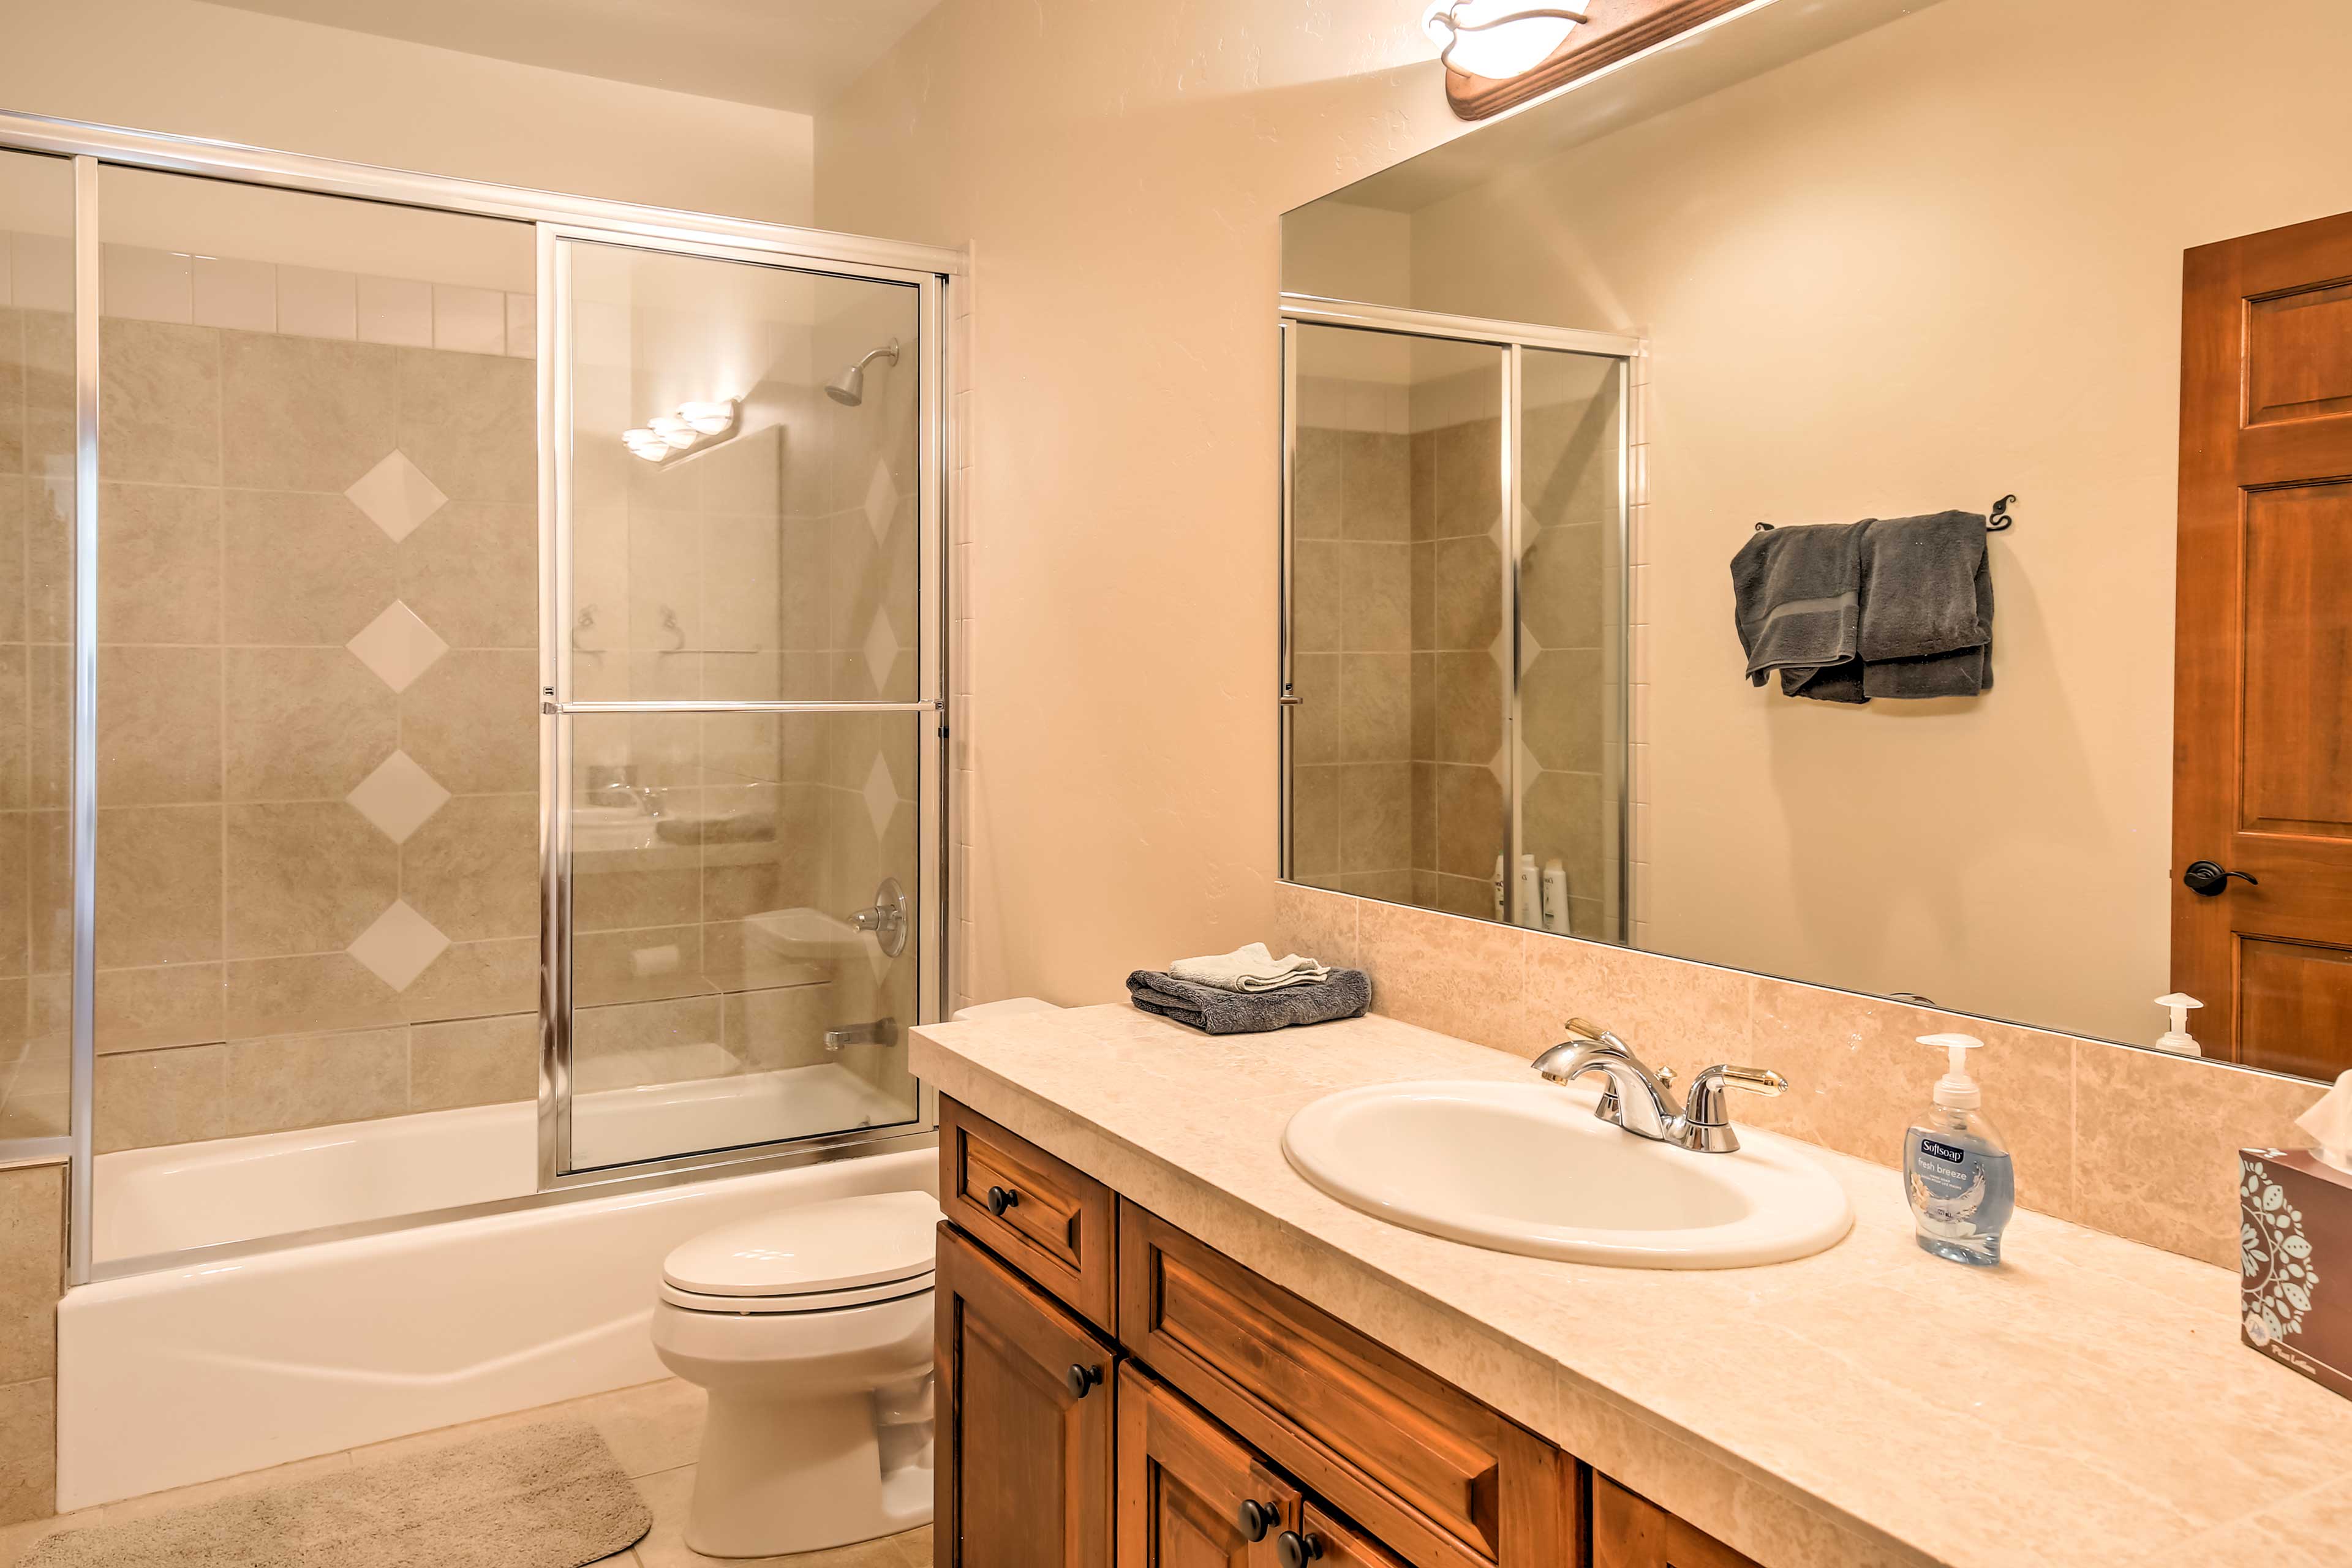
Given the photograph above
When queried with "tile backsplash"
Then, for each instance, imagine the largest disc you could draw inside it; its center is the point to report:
(2136, 1143)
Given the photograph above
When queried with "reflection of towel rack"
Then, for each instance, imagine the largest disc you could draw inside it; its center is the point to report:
(1996, 521)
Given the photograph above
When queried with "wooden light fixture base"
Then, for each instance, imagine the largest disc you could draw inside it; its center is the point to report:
(1613, 30)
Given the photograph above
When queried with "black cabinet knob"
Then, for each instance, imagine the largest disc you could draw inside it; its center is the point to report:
(1001, 1198)
(1081, 1379)
(1297, 1550)
(2206, 878)
(1257, 1518)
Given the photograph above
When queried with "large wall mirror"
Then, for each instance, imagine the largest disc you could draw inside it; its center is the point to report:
(1624, 595)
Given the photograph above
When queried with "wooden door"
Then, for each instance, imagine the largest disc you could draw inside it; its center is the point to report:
(1630, 1531)
(2263, 689)
(1026, 1422)
(1192, 1495)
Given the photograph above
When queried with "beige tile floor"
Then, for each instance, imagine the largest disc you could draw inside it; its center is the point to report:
(653, 1429)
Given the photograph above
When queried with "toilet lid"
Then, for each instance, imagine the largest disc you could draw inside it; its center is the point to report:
(837, 1245)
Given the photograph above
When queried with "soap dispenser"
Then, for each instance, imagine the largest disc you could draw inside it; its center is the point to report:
(1956, 1169)
(2177, 1039)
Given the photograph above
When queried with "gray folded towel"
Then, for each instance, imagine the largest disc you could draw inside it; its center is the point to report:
(1894, 607)
(1797, 593)
(1927, 606)
(1348, 993)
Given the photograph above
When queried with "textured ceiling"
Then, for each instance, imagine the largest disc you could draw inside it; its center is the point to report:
(783, 54)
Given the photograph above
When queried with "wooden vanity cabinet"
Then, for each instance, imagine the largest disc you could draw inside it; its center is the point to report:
(1630, 1531)
(1114, 1393)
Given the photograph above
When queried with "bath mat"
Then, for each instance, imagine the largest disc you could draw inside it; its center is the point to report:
(545, 1496)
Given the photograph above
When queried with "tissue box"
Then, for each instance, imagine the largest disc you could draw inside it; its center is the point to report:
(2295, 1242)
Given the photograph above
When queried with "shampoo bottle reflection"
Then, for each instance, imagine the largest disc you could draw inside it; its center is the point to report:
(1956, 1169)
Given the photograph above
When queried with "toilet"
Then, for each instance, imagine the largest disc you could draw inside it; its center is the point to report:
(811, 1329)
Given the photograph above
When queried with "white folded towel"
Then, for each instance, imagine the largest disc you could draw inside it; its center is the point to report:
(1250, 968)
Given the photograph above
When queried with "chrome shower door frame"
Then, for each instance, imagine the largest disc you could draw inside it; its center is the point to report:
(558, 708)
(933, 270)
(1514, 339)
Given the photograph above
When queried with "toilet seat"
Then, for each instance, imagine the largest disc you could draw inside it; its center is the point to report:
(823, 1257)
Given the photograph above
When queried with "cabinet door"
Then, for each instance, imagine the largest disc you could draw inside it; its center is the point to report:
(1190, 1495)
(1630, 1531)
(1026, 1422)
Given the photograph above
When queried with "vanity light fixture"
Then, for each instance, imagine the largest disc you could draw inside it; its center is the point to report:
(1501, 53)
(694, 427)
(1498, 39)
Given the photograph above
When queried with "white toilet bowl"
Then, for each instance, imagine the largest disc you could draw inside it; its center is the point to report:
(811, 1329)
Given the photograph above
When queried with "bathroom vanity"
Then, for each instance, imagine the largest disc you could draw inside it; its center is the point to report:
(1117, 1391)
(1160, 1345)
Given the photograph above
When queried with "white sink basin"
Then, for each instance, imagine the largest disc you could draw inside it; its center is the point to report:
(1527, 1168)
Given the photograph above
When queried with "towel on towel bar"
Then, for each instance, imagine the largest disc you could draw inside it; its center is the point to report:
(1894, 607)
(1927, 606)
(1348, 993)
(1797, 594)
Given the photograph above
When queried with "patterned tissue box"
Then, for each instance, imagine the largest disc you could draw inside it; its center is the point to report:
(2295, 1243)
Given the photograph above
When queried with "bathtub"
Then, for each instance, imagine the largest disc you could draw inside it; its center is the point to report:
(209, 1368)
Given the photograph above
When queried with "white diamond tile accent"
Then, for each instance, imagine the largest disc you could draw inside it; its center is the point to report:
(398, 797)
(881, 651)
(400, 946)
(881, 793)
(881, 502)
(396, 495)
(397, 646)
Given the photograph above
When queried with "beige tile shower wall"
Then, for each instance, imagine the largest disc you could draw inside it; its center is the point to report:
(317, 876)
(1571, 701)
(873, 606)
(1352, 822)
(1461, 817)
(32, 1277)
(2136, 1143)
(36, 497)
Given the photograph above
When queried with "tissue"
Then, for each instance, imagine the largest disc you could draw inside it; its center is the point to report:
(2329, 1123)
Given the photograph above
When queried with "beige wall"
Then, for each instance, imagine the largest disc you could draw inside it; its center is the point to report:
(207, 71)
(1934, 265)
(1119, 172)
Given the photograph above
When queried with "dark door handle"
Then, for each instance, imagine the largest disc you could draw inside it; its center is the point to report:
(1257, 1518)
(2206, 878)
(1297, 1550)
(1001, 1198)
(1081, 1379)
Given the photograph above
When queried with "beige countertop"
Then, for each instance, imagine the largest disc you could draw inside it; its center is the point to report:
(2087, 1403)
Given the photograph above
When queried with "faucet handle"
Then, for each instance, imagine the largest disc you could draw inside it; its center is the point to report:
(1709, 1086)
(1584, 1029)
(1705, 1114)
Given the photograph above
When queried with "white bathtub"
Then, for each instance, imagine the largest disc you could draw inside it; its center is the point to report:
(204, 1369)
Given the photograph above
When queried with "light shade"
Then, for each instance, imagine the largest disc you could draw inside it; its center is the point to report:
(1498, 39)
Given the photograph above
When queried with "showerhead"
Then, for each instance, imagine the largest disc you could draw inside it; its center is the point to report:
(848, 388)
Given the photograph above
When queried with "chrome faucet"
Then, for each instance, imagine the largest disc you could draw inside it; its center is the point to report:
(1636, 1099)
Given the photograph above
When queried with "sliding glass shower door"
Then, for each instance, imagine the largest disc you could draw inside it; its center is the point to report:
(1456, 695)
(742, 723)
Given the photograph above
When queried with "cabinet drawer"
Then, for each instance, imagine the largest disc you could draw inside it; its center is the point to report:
(1630, 1531)
(1046, 1216)
(1441, 1480)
